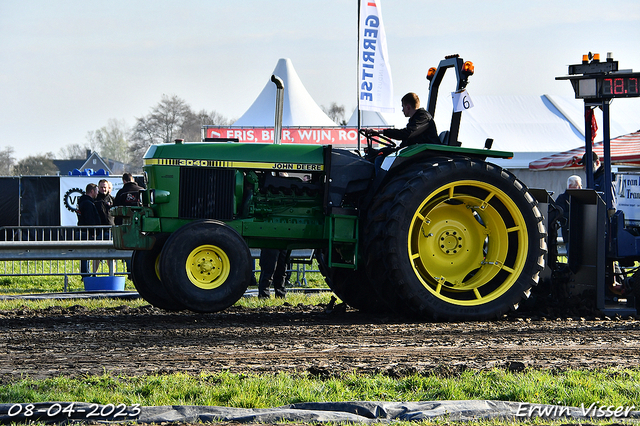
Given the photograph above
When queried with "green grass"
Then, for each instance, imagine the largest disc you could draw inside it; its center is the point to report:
(45, 277)
(40, 280)
(112, 303)
(570, 388)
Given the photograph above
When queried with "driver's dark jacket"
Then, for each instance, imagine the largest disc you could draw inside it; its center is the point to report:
(420, 129)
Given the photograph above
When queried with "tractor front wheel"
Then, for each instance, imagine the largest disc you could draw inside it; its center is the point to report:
(145, 274)
(206, 265)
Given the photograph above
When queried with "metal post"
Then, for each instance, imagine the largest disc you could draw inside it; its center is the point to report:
(277, 131)
(588, 149)
(606, 145)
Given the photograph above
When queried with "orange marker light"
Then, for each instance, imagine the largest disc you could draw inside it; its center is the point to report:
(431, 73)
(468, 68)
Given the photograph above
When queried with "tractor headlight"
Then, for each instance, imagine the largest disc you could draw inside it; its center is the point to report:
(158, 196)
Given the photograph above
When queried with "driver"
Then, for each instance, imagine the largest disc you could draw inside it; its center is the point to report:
(420, 129)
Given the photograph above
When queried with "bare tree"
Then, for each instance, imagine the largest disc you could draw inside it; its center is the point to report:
(171, 119)
(74, 151)
(7, 161)
(336, 113)
(162, 125)
(111, 141)
(192, 126)
(36, 165)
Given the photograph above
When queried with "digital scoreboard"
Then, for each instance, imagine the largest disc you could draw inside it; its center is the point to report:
(601, 80)
(613, 85)
(620, 86)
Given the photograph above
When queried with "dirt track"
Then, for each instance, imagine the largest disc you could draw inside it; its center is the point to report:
(74, 341)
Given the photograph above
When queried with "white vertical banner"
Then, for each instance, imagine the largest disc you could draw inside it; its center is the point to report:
(375, 87)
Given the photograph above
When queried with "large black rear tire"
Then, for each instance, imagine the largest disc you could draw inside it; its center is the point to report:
(462, 240)
(145, 275)
(373, 234)
(206, 265)
(352, 286)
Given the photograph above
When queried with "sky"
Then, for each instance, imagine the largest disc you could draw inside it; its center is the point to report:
(67, 67)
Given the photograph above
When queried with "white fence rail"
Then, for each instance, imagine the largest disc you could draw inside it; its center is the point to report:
(57, 250)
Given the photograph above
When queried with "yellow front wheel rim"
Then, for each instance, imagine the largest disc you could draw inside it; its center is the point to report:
(208, 267)
(468, 243)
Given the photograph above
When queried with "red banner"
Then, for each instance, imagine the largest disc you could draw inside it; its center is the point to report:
(338, 136)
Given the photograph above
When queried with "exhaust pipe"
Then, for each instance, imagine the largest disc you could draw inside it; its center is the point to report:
(277, 131)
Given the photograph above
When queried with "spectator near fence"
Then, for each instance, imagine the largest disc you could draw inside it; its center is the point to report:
(273, 271)
(104, 201)
(128, 195)
(88, 216)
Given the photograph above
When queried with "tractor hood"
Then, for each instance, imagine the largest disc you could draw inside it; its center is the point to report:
(283, 157)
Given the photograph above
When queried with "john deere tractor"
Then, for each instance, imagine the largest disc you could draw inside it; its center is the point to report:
(435, 232)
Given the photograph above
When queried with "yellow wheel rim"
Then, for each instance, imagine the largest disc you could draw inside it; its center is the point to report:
(156, 265)
(468, 243)
(208, 267)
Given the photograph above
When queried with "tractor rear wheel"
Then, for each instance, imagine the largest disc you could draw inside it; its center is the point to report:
(352, 286)
(463, 240)
(145, 275)
(206, 265)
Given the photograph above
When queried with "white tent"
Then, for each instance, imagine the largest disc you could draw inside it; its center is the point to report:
(299, 108)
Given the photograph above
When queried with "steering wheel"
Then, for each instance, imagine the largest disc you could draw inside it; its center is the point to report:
(380, 139)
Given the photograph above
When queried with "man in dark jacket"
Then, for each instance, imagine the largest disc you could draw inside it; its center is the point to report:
(88, 216)
(563, 200)
(600, 181)
(104, 201)
(420, 129)
(87, 211)
(128, 195)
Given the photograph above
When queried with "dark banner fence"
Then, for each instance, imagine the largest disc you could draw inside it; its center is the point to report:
(9, 201)
(30, 201)
(36, 200)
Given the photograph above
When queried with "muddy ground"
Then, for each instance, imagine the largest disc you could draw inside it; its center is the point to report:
(318, 339)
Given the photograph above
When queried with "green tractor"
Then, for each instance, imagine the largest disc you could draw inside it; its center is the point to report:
(435, 232)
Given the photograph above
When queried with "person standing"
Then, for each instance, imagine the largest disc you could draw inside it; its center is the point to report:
(128, 195)
(573, 182)
(88, 216)
(104, 202)
(273, 271)
(601, 182)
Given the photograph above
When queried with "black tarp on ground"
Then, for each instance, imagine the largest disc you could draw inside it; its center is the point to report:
(40, 204)
(9, 201)
(312, 412)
